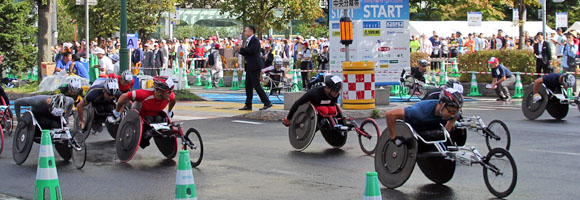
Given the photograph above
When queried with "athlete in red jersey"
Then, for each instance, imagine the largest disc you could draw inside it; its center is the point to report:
(125, 80)
(152, 103)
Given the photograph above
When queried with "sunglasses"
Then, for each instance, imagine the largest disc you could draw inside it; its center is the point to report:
(451, 112)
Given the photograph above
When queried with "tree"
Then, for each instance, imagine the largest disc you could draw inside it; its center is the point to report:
(199, 4)
(312, 29)
(17, 37)
(142, 15)
(436, 10)
(44, 33)
(276, 14)
(65, 24)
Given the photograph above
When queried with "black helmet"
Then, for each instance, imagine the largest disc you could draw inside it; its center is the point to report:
(452, 83)
(451, 97)
(111, 86)
(423, 63)
(333, 82)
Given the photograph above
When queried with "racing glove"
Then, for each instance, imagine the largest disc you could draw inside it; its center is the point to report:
(286, 122)
(537, 97)
(170, 114)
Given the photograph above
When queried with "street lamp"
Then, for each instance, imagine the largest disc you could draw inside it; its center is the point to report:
(123, 52)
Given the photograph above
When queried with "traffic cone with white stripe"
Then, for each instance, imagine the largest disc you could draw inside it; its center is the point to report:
(455, 69)
(197, 78)
(300, 86)
(372, 189)
(235, 82)
(47, 185)
(519, 88)
(243, 84)
(474, 91)
(570, 94)
(208, 82)
(443, 77)
(395, 89)
(296, 88)
(433, 78)
(184, 182)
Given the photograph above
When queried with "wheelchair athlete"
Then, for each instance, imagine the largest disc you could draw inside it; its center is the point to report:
(152, 104)
(47, 110)
(125, 80)
(72, 89)
(102, 97)
(554, 82)
(276, 73)
(323, 98)
(427, 113)
(419, 72)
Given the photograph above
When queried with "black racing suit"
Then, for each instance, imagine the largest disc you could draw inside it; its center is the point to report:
(40, 109)
(315, 96)
(96, 97)
(418, 74)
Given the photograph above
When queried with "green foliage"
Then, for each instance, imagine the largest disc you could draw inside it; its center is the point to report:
(17, 37)
(514, 60)
(312, 29)
(276, 14)
(66, 30)
(376, 113)
(188, 31)
(185, 95)
(105, 17)
(416, 56)
(26, 89)
(436, 10)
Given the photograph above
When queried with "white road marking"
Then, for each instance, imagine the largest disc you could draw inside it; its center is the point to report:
(555, 152)
(186, 118)
(245, 122)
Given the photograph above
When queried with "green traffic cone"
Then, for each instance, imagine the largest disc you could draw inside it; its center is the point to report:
(184, 181)
(519, 88)
(474, 91)
(433, 78)
(455, 69)
(243, 84)
(372, 189)
(184, 76)
(443, 77)
(235, 82)
(208, 85)
(221, 83)
(47, 185)
(404, 92)
(197, 78)
(570, 94)
(295, 88)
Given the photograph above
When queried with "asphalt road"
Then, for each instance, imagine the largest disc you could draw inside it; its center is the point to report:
(256, 161)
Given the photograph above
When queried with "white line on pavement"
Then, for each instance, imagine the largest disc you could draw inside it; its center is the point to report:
(245, 122)
(555, 152)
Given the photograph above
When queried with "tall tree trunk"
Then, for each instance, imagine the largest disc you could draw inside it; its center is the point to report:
(521, 15)
(44, 35)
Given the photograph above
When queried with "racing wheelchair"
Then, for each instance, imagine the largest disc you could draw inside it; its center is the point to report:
(5, 123)
(555, 102)
(94, 121)
(414, 87)
(308, 120)
(133, 127)
(68, 145)
(496, 133)
(436, 154)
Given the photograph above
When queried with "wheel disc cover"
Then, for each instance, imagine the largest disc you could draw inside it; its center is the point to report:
(395, 164)
(167, 146)
(129, 135)
(302, 127)
(557, 110)
(336, 139)
(533, 110)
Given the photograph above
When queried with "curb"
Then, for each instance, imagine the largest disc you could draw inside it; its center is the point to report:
(277, 115)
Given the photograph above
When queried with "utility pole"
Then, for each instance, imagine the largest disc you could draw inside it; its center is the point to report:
(521, 15)
(123, 52)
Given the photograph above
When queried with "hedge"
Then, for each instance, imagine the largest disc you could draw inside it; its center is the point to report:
(514, 60)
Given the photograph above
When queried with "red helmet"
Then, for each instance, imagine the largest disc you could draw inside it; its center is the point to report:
(163, 83)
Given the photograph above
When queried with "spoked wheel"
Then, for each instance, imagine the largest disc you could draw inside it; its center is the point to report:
(194, 144)
(78, 149)
(88, 116)
(369, 143)
(23, 138)
(501, 135)
(499, 172)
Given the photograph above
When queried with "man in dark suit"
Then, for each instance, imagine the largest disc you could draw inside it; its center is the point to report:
(158, 56)
(543, 55)
(253, 66)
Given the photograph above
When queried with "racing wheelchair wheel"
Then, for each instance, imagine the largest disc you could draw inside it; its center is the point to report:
(89, 116)
(1, 140)
(23, 138)
(195, 146)
(303, 126)
(78, 149)
(7, 121)
(556, 109)
(129, 135)
(499, 164)
(113, 128)
(167, 144)
(500, 129)
(394, 164)
(371, 128)
(532, 110)
(436, 168)
(63, 150)
(335, 138)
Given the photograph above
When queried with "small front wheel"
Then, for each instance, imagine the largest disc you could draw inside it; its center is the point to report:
(78, 149)
(368, 136)
(499, 136)
(499, 172)
(195, 146)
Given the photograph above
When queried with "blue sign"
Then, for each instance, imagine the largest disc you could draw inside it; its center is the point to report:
(395, 24)
(371, 24)
(376, 10)
(335, 25)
